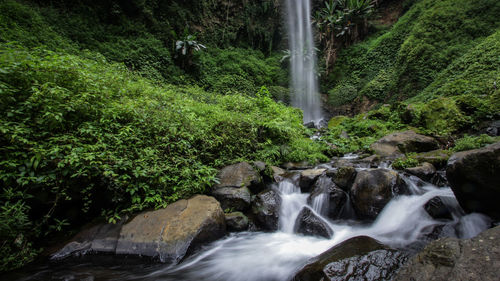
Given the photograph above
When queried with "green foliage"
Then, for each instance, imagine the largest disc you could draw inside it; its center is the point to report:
(233, 70)
(83, 138)
(437, 48)
(473, 142)
(408, 161)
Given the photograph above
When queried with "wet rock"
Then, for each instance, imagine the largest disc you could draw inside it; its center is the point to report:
(425, 171)
(439, 179)
(236, 199)
(308, 177)
(236, 221)
(327, 195)
(370, 162)
(373, 189)
(455, 259)
(101, 238)
(239, 175)
(343, 177)
(438, 158)
(266, 208)
(277, 173)
(437, 209)
(172, 233)
(403, 142)
(475, 179)
(359, 258)
(297, 166)
(308, 223)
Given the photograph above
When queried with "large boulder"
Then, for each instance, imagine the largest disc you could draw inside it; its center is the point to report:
(172, 233)
(327, 197)
(404, 142)
(235, 199)
(373, 189)
(455, 259)
(308, 177)
(239, 175)
(236, 221)
(266, 209)
(425, 171)
(308, 223)
(474, 177)
(359, 258)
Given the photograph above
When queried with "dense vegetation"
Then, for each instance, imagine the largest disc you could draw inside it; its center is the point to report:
(102, 116)
(437, 67)
(112, 107)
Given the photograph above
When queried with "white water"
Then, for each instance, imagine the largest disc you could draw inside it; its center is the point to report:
(251, 256)
(305, 93)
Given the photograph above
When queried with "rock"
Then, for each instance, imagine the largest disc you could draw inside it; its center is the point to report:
(371, 161)
(425, 171)
(474, 177)
(297, 166)
(438, 158)
(239, 175)
(266, 208)
(373, 189)
(260, 166)
(308, 223)
(327, 197)
(359, 258)
(437, 209)
(455, 259)
(439, 179)
(101, 238)
(277, 173)
(343, 177)
(403, 142)
(310, 125)
(236, 221)
(308, 177)
(175, 231)
(493, 128)
(236, 199)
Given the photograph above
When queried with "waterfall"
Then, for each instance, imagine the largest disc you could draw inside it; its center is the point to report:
(305, 93)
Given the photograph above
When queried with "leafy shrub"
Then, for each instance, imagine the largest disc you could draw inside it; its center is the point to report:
(473, 142)
(409, 161)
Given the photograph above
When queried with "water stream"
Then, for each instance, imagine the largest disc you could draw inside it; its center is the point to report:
(252, 256)
(305, 94)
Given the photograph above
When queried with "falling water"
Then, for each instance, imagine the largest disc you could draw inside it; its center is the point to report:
(305, 93)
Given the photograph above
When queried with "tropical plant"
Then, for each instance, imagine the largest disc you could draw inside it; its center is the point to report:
(185, 48)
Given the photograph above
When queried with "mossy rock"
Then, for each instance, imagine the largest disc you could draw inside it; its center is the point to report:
(438, 158)
(336, 121)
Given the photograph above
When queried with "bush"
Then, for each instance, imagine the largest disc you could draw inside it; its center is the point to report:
(473, 142)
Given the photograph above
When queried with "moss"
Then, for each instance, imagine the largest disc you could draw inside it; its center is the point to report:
(336, 121)
(473, 142)
(442, 117)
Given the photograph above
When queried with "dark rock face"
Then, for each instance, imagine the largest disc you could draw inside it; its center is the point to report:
(308, 178)
(266, 208)
(404, 142)
(343, 177)
(168, 234)
(373, 189)
(308, 223)
(455, 259)
(239, 175)
(101, 238)
(426, 171)
(237, 199)
(335, 197)
(359, 258)
(236, 221)
(474, 177)
(437, 209)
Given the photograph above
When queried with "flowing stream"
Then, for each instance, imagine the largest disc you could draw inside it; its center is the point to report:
(259, 256)
(305, 93)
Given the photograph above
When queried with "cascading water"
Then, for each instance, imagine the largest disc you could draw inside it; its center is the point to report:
(305, 93)
(252, 256)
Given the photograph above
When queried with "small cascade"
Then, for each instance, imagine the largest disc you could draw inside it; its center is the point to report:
(320, 204)
(305, 94)
(292, 201)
